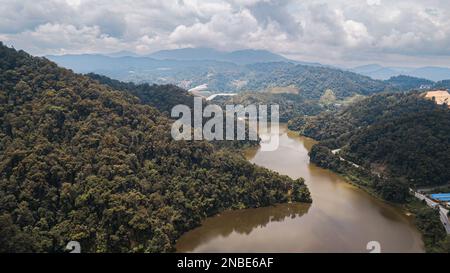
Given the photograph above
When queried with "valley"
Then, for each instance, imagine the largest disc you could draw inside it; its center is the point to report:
(225, 135)
(95, 163)
(148, 194)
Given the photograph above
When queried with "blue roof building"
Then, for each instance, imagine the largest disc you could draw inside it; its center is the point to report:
(443, 197)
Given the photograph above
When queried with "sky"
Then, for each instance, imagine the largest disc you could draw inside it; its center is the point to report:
(338, 32)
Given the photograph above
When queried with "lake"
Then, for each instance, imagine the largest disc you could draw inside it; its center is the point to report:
(342, 217)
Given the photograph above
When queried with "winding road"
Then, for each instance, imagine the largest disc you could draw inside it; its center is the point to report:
(442, 211)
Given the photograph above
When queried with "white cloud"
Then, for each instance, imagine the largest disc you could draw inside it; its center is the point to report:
(73, 3)
(217, 31)
(340, 31)
(373, 2)
(356, 33)
(63, 38)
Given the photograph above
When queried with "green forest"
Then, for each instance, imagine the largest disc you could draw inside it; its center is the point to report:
(161, 97)
(81, 160)
(165, 97)
(386, 144)
(313, 81)
(290, 105)
(402, 135)
(403, 82)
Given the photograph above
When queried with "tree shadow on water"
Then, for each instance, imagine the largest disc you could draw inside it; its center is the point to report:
(239, 221)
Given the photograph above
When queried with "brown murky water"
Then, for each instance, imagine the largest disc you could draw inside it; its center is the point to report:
(342, 217)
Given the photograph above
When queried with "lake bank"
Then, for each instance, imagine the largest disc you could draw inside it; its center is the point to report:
(342, 217)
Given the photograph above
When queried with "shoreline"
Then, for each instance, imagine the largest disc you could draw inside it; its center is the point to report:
(365, 193)
(410, 207)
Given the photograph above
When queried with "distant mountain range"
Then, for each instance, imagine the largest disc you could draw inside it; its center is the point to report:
(177, 59)
(246, 56)
(221, 76)
(251, 56)
(379, 72)
(237, 57)
(249, 70)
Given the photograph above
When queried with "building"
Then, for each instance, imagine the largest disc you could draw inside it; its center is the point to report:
(441, 198)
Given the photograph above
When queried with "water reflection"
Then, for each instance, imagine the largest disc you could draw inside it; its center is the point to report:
(241, 222)
(342, 218)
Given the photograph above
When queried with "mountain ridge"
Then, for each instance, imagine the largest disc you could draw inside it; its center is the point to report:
(312, 81)
(376, 71)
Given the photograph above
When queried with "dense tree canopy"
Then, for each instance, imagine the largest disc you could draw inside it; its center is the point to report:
(427, 221)
(82, 161)
(401, 134)
(162, 97)
(403, 82)
(390, 188)
(290, 105)
(397, 141)
(165, 97)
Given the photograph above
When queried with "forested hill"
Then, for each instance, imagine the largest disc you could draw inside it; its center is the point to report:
(82, 161)
(290, 105)
(312, 81)
(398, 134)
(162, 97)
(409, 83)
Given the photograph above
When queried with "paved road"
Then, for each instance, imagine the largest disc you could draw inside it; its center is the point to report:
(343, 159)
(443, 211)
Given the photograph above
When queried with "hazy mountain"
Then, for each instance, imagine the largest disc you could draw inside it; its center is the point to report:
(247, 56)
(379, 72)
(141, 69)
(123, 53)
(431, 73)
(188, 54)
(383, 73)
(369, 68)
(310, 81)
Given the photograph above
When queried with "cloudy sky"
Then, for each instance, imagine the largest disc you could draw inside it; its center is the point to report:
(344, 32)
